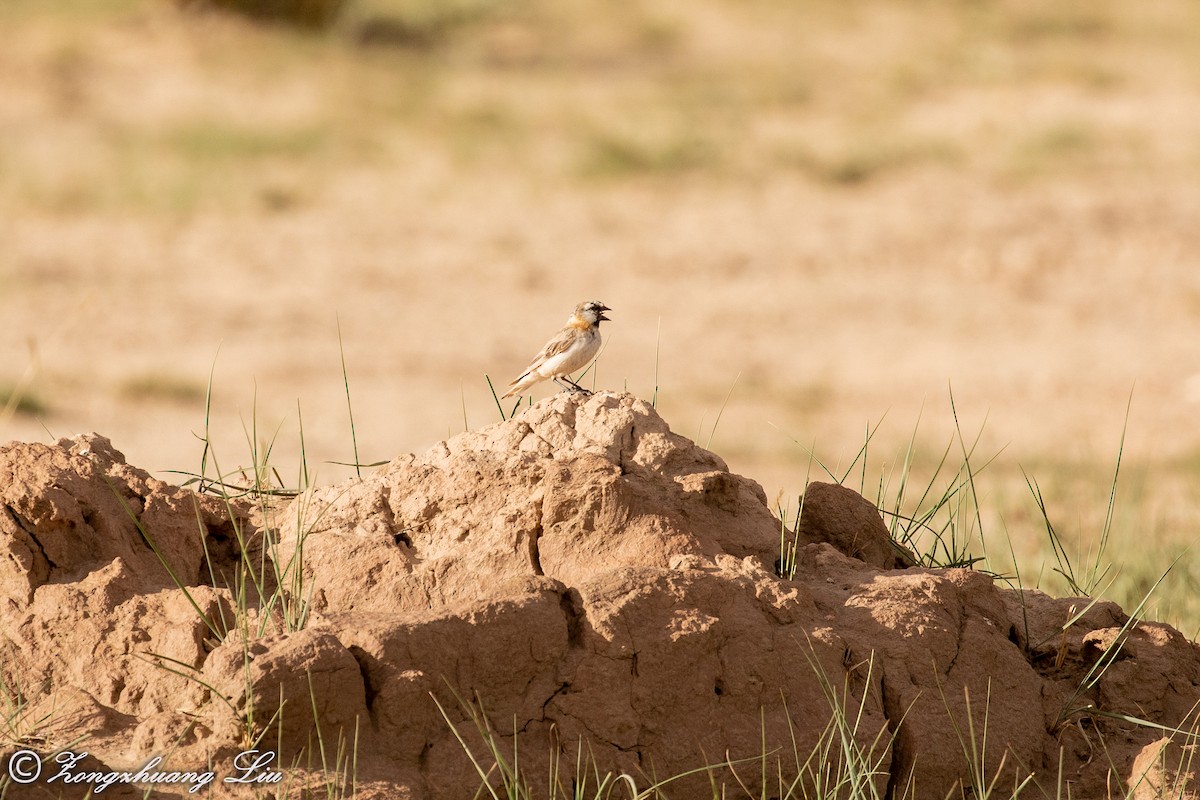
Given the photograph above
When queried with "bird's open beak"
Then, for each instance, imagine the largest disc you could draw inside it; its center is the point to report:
(602, 310)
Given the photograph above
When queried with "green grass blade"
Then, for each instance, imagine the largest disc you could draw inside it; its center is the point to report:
(349, 405)
(499, 407)
(721, 411)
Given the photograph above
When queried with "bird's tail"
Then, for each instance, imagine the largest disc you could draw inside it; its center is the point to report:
(520, 385)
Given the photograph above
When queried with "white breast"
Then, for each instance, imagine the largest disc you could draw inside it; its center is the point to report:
(574, 357)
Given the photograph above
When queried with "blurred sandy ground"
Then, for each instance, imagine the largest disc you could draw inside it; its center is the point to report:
(853, 207)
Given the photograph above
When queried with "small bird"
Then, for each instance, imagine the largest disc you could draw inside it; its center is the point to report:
(569, 350)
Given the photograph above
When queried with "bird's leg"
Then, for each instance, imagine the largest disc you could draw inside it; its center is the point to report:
(569, 385)
(575, 387)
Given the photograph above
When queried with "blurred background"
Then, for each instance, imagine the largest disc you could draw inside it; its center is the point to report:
(810, 218)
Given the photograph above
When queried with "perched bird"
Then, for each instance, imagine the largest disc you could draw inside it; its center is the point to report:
(569, 350)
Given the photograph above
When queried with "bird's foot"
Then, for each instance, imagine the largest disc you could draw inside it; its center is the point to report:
(571, 386)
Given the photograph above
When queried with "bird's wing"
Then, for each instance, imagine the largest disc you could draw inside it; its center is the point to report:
(555, 347)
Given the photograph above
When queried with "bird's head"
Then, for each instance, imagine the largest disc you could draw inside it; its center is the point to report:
(591, 312)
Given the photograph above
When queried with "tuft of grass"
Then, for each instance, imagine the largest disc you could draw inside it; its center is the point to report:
(1097, 566)
(19, 725)
(209, 141)
(496, 398)
(267, 582)
(156, 387)
(713, 430)
(614, 154)
(945, 522)
(1061, 21)
(349, 405)
(19, 397)
(1071, 708)
(23, 400)
(314, 14)
(413, 24)
(870, 158)
(1067, 145)
(840, 765)
(339, 768)
(657, 351)
(937, 519)
(1175, 761)
(269, 595)
(974, 746)
(215, 627)
(333, 764)
(789, 539)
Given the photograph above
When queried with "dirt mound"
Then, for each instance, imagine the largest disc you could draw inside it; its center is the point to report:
(582, 575)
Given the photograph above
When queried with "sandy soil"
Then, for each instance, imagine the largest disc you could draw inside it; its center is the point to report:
(844, 212)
